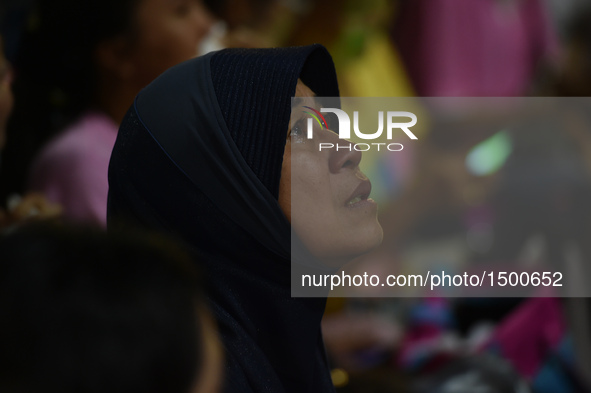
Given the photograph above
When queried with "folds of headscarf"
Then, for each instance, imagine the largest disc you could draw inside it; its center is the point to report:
(199, 155)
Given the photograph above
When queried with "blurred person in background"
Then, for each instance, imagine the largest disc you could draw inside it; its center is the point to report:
(33, 204)
(573, 79)
(87, 312)
(248, 23)
(79, 66)
(465, 48)
(356, 33)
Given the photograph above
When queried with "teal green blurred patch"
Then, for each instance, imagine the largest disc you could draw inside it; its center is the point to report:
(490, 155)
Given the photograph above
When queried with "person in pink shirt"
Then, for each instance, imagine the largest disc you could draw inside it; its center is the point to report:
(71, 170)
(108, 51)
(466, 48)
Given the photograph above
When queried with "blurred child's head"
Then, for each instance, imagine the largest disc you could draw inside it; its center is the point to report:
(82, 48)
(87, 311)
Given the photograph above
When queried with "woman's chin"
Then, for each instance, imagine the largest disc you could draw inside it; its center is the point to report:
(339, 255)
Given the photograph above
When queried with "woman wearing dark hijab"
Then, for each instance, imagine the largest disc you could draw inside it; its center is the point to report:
(206, 153)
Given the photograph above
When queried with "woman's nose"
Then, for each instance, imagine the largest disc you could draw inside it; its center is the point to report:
(343, 154)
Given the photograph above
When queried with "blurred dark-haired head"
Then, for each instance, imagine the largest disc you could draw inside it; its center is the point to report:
(76, 56)
(87, 311)
(74, 47)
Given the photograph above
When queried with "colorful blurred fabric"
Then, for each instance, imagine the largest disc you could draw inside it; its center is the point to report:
(533, 339)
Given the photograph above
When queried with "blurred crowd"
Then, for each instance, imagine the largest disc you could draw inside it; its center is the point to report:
(69, 71)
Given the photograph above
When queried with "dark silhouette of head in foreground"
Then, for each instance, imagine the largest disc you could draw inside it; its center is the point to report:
(88, 311)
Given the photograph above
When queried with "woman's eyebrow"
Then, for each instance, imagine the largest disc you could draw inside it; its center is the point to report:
(298, 101)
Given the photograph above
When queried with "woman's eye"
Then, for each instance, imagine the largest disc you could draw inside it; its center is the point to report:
(297, 129)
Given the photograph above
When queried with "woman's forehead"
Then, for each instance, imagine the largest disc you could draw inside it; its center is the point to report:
(302, 90)
(303, 95)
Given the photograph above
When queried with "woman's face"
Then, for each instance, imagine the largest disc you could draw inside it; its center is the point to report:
(324, 194)
(167, 32)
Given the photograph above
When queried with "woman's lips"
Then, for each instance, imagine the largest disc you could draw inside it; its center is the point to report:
(360, 195)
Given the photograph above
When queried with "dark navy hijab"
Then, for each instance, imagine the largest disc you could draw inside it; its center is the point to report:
(199, 155)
